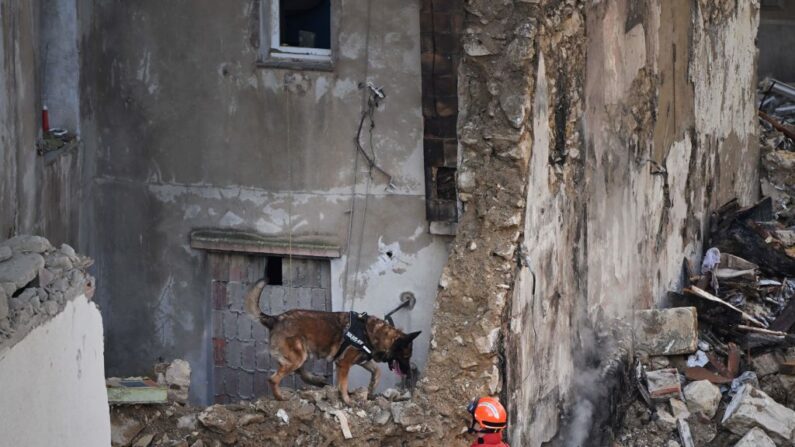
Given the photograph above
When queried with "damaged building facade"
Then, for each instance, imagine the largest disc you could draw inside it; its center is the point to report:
(535, 170)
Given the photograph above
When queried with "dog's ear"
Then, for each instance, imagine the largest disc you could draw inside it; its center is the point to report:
(408, 338)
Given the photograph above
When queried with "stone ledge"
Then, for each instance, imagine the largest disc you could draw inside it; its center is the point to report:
(226, 240)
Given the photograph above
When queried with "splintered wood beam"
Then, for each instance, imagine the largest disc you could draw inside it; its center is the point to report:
(693, 290)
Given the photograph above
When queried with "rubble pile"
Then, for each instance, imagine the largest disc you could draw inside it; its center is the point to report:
(718, 367)
(36, 281)
(777, 124)
(314, 417)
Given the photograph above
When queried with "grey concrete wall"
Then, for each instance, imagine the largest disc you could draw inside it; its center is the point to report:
(19, 113)
(60, 71)
(186, 131)
(37, 195)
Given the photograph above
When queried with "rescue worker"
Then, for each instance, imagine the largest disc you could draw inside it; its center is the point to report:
(489, 418)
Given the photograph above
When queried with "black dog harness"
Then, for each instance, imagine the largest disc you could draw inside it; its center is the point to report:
(355, 335)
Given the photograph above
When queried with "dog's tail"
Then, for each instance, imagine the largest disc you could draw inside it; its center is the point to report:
(252, 305)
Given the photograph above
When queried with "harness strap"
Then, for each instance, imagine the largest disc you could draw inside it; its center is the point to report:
(355, 335)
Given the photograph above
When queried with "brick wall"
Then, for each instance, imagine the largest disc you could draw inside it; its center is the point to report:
(441, 25)
(241, 354)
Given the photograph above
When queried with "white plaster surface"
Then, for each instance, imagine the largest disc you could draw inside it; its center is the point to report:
(53, 383)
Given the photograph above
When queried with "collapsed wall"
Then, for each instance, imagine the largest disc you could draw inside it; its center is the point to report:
(51, 348)
(620, 186)
(588, 164)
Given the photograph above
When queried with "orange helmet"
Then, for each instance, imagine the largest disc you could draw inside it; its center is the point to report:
(489, 413)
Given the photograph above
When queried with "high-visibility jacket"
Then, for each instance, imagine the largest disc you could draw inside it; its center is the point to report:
(493, 439)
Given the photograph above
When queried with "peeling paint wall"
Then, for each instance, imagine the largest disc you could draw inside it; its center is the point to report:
(187, 131)
(668, 133)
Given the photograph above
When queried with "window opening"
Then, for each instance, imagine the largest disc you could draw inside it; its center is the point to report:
(273, 271)
(305, 24)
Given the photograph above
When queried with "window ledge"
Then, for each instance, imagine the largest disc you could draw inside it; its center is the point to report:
(230, 240)
(296, 63)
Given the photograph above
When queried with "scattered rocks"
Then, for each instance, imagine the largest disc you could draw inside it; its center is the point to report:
(218, 418)
(752, 408)
(666, 331)
(703, 397)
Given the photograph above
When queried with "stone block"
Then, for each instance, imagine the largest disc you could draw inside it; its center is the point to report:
(703, 397)
(178, 380)
(664, 384)
(218, 419)
(755, 438)
(752, 408)
(20, 270)
(28, 244)
(666, 331)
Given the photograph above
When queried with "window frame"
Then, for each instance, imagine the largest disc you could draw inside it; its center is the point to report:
(273, 54)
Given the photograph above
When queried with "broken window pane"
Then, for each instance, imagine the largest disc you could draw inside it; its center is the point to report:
(306, 23)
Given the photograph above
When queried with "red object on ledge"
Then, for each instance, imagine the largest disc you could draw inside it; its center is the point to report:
(45, 120)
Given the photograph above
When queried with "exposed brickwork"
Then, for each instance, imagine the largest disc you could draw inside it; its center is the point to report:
(240, 348)
(441, 25)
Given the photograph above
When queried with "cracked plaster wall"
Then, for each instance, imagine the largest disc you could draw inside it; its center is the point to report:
(187, 131)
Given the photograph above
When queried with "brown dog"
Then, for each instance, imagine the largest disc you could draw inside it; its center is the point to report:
(298, 334)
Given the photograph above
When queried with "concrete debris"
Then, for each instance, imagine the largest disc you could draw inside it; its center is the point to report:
(752, 408)
(218, 418)
(666, 331)
(30, 292)
(766, 364)
(702, 397)
(756, 437)
(664, 384)
(189, 422)
(123, 429)
(283, 416)
(346, 430)
(144, 441)
(679, 409)
(665, 420)
(177, 378)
